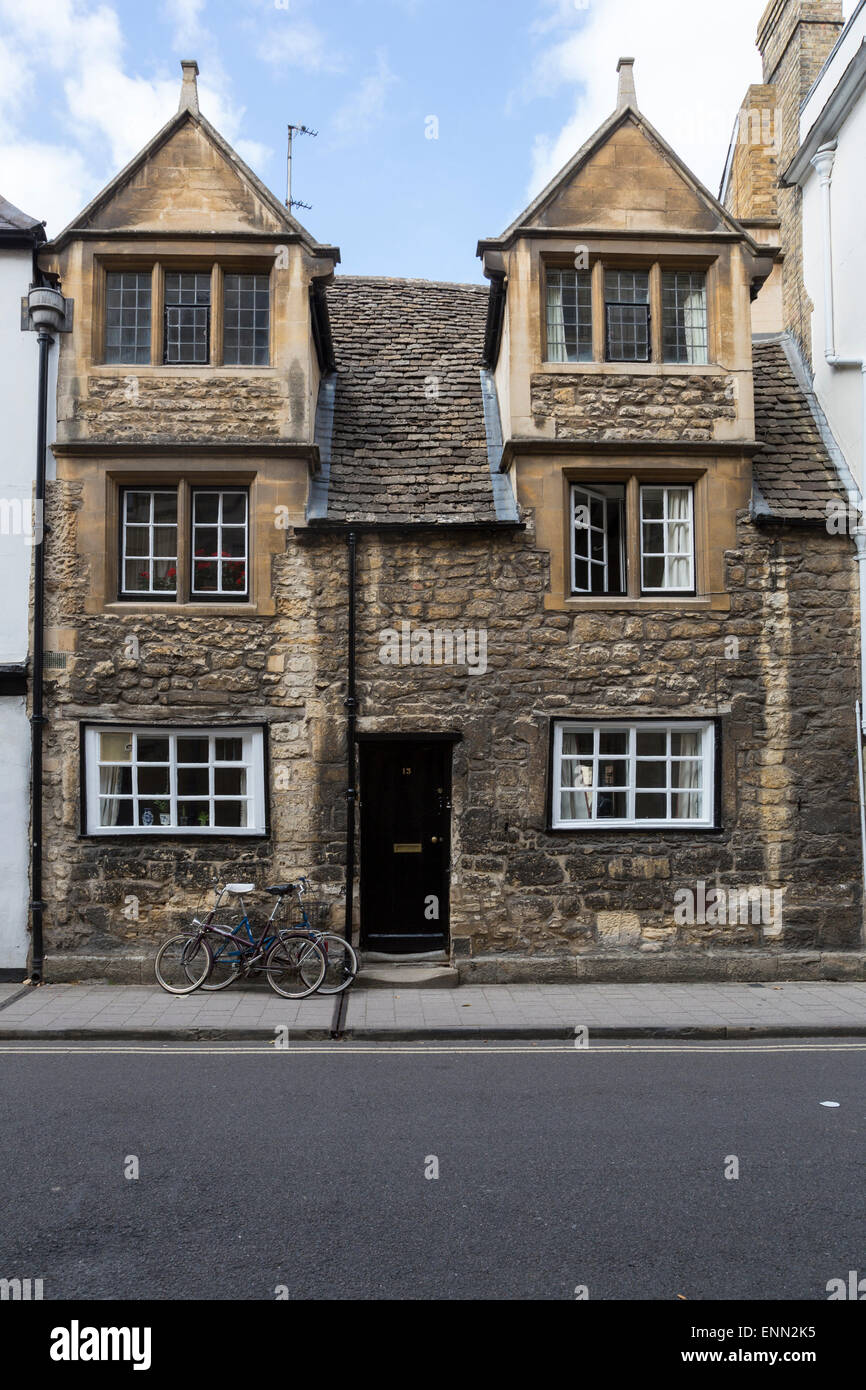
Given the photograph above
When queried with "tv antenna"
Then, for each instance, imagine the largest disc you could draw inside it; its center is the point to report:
(290, 201)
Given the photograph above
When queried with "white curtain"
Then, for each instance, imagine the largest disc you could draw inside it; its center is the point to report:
(576, 781)
(695, 326)
(687, 801)
(109, 785)
(679, 539)
(555, 323)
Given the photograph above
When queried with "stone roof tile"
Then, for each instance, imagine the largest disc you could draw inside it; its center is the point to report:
(793, 469)
(409, 442)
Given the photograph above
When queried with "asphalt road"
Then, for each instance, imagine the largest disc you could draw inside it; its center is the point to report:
(305, 1170)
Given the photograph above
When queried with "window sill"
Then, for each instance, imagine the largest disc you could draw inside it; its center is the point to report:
(265, 609)
(173, 833)
(124, 369)
(661, 829)
(634, 368)
(689, 603)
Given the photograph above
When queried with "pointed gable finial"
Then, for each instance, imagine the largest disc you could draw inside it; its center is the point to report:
(627, 95)
(189, 87)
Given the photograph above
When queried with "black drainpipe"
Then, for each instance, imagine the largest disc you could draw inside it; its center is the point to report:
(351, 703)
(352, 713)
(37, 718)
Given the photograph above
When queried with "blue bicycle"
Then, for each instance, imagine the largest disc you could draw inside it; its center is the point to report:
(293, 961)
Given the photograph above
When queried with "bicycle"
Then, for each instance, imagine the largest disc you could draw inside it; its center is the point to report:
(343, 964)
(294, 964)
(230, 947)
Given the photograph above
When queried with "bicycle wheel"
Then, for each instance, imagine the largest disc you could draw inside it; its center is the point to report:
(228, 957)
(182, 963)
(295, 966)
(342, 963)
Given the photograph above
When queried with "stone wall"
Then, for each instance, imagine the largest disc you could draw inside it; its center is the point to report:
(789, 803)
(599, 406)
(144, 407)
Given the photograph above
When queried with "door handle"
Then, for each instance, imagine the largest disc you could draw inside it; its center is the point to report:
(434, 839)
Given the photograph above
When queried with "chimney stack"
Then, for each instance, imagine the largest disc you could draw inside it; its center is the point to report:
(627, 95)
(794, 39)
(189, 87)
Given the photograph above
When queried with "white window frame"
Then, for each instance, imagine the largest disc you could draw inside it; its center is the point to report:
(152, 527)
(705, 727)
(589, 495)
(253, 762)
(665, 521)
(205, 490)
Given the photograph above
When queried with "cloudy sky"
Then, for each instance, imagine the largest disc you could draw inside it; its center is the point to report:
(508, 88)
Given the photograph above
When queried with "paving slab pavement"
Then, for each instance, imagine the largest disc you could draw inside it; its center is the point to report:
(473, 1011)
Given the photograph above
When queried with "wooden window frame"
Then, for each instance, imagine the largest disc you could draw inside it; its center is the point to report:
(216, 596)
(146, 595)
(632, 542)
(255, 762)
(709, 759)
(186, 484)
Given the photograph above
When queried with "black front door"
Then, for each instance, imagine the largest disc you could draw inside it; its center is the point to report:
(405, 844)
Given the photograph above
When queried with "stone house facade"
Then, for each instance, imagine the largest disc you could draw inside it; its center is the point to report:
(531, 583)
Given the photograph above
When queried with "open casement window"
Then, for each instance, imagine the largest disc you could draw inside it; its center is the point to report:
(219, 542)
(174, 781)
(667, 540)
(569, 316)
(148, 540)
(647, 775)
(598, 563)
(627, 315)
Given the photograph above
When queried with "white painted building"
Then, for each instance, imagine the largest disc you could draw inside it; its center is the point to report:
(830, 167)
(18, 382)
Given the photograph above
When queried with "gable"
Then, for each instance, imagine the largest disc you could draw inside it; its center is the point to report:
(184, 183)
(628, 181)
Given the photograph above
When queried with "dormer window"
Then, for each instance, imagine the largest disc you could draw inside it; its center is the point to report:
(199, 316)
(627, 314)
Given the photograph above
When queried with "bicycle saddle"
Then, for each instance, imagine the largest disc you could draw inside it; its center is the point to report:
(240, 887)
(281, 889)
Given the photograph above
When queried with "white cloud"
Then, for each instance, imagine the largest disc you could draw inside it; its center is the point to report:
(185, 15)
(690, 81)
(107, 114)
(50, 182)
(298, 44)
(364, 109)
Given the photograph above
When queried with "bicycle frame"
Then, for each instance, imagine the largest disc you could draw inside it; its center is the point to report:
(251, 949)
